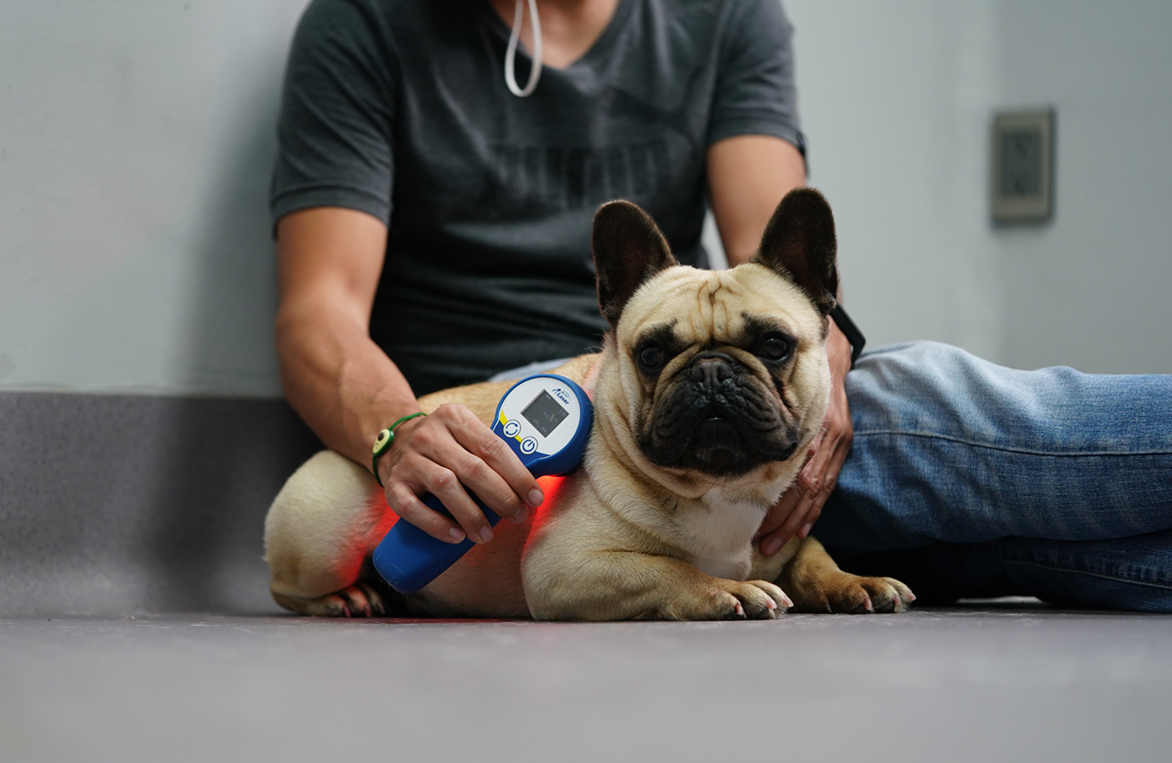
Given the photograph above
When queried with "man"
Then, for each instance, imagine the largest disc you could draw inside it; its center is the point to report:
(433, 229)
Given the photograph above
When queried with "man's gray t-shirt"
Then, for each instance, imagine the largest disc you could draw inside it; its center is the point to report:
(398, 108)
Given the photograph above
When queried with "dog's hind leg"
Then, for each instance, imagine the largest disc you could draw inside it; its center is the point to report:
(816, 584)
(319, 534)
(358, 600)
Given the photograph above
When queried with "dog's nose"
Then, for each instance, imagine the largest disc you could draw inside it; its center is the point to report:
(711, 368)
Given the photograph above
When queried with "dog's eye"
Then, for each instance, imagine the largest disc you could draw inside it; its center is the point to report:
(651, 356)
(775, 347)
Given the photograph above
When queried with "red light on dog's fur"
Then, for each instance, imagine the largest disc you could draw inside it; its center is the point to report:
(551, 486)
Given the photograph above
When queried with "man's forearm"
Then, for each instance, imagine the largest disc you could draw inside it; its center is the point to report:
(340, 382)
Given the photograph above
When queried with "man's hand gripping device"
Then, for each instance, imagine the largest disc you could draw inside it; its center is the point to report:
(546, 420)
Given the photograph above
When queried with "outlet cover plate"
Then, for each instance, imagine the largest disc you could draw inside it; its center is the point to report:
(1023, 166)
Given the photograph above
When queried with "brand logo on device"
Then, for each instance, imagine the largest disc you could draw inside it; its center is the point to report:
(560, 394)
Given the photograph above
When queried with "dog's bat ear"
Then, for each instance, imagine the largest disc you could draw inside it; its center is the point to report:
(628, 250)
(799, 243)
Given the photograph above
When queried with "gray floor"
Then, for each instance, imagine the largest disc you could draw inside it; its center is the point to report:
(1011, 682)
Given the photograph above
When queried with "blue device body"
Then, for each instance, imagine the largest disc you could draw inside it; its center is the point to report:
(408, 558)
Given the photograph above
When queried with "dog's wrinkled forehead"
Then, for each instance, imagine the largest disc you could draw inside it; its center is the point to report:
(699, 306)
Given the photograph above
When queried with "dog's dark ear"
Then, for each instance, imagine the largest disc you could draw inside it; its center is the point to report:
(799, 243)
(628, 250)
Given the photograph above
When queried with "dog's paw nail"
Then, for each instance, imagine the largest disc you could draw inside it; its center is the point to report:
(867, 604)
(770, 603)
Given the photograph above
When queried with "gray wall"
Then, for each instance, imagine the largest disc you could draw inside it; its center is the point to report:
(1092, 290)
(135, 145)
(897, 99)
(135, 142)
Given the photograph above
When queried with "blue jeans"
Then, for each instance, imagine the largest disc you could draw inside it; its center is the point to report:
(967, 479)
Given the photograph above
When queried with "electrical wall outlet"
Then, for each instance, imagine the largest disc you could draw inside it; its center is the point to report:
(1023, 166)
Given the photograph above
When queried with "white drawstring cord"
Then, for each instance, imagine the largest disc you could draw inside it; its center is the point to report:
(511, 53)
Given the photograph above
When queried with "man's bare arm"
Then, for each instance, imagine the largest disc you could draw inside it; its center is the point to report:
(747, 177)
(342, 384)
(346, 388)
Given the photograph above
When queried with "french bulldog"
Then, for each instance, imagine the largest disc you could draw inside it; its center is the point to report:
(708, 393)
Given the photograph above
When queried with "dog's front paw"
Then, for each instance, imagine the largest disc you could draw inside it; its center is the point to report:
(751, 600)
(856, 595)
(359, 600)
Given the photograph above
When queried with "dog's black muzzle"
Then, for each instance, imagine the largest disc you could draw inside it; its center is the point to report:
(718, 418)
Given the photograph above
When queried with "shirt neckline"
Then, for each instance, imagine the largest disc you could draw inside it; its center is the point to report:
(605, 40)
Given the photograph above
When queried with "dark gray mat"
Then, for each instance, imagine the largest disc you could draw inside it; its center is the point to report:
(964, 684)
(120, 504)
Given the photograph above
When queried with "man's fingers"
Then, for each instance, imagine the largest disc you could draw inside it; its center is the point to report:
(826, 487)
(771, 534)
(821, 486)
(780, 512)
(811, 517)
(813, 474)
(407, 505)
(453, 455)
(448, 455)
(816, 480)
(810, 492)
(797, 518)
(792, 515)
(814, 510)
(812, 451)
(479, 478)
(504, 484)
(446, 485)
(772, 542)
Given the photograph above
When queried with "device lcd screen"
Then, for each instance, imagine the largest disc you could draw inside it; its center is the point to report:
(544, 413)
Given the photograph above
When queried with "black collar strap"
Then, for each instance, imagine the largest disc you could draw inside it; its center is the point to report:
(848, 327)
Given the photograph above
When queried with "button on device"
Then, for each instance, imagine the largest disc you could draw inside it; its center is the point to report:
(528, 445)
(512, 428)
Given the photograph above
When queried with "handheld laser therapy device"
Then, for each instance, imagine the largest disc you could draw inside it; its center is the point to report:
(546, 420)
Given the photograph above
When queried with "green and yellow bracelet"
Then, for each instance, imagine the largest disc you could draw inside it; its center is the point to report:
(382, 443)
